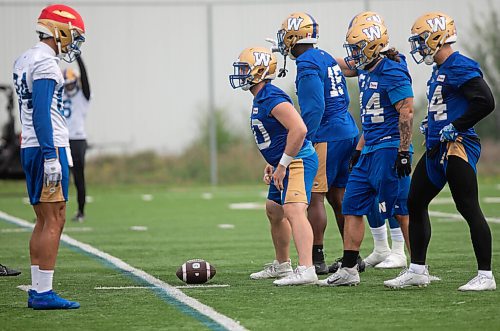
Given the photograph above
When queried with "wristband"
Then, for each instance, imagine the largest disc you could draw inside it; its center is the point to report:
(286, 160)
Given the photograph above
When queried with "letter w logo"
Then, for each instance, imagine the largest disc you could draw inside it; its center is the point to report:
(294, 23)
(262, 59)
(373, 32)
(437, 23)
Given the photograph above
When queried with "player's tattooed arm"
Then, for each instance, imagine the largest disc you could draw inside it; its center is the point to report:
(405, 109)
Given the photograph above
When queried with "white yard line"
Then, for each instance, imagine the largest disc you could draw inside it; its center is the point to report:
(457, 216)
(169, 290)
(149, 287)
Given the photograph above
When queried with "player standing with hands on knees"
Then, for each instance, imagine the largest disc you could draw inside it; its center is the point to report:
(76, 104)
(44, 147)
(458, 98)
(386, 105)
(280, 133)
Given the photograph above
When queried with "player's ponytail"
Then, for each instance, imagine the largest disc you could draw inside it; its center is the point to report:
(392, 54)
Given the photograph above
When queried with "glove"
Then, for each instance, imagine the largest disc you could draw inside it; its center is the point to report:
(274, 47)
(448, 133)
(403, 164)
(354, 159)
(52, 173)
(424, 125)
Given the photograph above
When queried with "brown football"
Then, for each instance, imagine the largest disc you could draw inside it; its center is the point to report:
(196, 271)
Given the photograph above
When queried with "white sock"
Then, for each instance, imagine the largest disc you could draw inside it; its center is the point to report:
(398, 247)
(45, 280)
(380, 242)
(487, 273)
(397, 235)
(417, 268)
(34, 277)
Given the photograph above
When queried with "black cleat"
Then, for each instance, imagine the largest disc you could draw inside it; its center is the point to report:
(321, 268)
(335, 266)
(338, 264)
(4, 271)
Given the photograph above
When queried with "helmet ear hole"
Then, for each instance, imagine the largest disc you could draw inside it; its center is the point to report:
(63, 33)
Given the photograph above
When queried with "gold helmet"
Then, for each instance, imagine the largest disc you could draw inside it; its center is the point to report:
(363, 44)
(366, 17)
(297, 28)
(429, 33)
(66, 26)
(254, 65)
(70, 76)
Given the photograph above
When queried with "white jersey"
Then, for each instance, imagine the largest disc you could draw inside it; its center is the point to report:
(39, 62)
(75, 111)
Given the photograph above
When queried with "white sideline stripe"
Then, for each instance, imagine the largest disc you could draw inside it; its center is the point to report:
(150, 287)
(177, 294)
(459, 217)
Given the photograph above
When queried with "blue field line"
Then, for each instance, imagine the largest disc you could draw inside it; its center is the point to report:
(159, 291)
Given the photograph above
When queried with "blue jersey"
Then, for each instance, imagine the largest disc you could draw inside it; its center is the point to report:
(332, 97)
(446, 102)
(270, 135)
(380, 89)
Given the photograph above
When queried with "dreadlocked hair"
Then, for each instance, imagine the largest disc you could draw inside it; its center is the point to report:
(392, 54)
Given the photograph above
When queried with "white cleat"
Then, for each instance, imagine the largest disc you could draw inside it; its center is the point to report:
(479, 283)
(301, 276)
(343, 277)
(393, 261)
(408, 278)
(375, 258)
(274, 270)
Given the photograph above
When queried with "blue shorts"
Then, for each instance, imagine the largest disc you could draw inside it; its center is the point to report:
(32, 161)
(468, 149)
(333, 164)
(298, 182)
(374, 176)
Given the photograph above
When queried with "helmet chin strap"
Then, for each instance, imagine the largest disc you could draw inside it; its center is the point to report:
(283, 70)
(58, 42)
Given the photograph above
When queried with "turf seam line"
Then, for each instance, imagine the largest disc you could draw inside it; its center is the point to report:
(183, 301)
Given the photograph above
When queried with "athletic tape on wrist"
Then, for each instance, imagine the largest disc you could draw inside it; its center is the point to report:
(286, 160)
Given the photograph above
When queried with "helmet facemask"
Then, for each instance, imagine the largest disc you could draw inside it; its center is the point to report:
(420, 50)
(242, 77)
(356, 58)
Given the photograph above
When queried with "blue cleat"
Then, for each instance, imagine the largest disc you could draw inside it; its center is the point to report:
(31, 295)
(50, 300)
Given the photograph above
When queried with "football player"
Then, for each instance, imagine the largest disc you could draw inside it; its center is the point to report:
(458, 98)
(279, 133)
(382, 256)
(76, 100)
(386, 104)
(45, 146)
(324, 101)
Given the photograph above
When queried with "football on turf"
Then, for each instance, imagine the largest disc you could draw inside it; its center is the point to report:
(196, 271)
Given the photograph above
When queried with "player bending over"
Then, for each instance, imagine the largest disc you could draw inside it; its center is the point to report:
(280, 133)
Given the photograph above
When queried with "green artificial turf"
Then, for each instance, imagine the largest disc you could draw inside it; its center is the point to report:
(183, 223)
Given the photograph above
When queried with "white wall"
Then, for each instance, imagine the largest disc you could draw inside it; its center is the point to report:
(147, 62)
